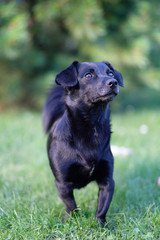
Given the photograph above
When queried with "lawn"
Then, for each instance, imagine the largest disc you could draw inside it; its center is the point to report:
(29, 204)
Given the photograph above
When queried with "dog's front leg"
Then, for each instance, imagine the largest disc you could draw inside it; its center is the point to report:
(106, 190)
(66, 194)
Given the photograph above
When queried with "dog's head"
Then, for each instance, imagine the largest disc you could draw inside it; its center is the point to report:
(90, 82)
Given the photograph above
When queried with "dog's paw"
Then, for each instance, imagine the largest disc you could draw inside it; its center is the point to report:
(103, 224)
(70, 215)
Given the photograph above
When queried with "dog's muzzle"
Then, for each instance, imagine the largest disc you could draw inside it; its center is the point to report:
(107, 92)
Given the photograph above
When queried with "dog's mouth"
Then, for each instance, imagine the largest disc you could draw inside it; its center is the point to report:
(105, 98)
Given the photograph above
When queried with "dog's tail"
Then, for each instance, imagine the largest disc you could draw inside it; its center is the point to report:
(54, 107)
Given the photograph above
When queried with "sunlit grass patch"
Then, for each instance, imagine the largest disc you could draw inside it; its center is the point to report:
(30, 207)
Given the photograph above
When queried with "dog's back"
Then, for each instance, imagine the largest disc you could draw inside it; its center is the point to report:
(54, 107)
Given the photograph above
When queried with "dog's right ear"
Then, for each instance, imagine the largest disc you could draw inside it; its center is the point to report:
(68, 77)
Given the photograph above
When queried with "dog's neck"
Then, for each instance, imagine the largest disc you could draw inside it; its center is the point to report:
(89, 116)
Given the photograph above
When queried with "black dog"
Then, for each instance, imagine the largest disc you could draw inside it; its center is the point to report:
(76, 115)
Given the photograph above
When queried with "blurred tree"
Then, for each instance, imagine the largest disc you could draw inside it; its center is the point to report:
(38, 37)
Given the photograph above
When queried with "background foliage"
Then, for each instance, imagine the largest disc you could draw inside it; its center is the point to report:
(39, 38)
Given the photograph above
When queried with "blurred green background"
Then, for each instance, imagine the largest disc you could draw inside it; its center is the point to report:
(37, 40)
(40, 38)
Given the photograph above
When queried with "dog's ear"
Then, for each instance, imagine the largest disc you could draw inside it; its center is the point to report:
(118, 75)
(68, 77)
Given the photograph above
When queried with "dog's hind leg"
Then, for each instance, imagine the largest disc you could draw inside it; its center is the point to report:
(66, 194)
(106, 190)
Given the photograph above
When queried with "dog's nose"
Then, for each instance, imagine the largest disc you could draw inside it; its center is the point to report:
(112, 83)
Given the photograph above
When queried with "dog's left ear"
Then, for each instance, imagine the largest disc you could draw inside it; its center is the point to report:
(118, 75)
(68, 77)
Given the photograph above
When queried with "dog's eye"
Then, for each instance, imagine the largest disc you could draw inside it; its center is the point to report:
(89, 75)
(110, 74)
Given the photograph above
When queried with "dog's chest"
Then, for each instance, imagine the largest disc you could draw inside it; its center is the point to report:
(87, 157)
(90, 146)
(95, 133)
(83, 169)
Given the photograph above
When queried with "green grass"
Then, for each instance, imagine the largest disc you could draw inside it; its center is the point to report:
(29, 204)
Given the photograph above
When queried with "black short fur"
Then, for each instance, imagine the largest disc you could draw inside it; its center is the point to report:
(76, 116)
